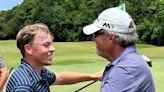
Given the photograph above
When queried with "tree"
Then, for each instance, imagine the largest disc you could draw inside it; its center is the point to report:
(66, 18)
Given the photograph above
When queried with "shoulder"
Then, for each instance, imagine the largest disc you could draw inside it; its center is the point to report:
(132, 67)
(20, 77)
(47, 72)
(133, 60)
(48, 75)
(21, 74)
(20, 88)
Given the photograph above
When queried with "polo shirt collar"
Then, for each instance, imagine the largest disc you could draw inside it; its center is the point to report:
(30, 71)
(126, 51)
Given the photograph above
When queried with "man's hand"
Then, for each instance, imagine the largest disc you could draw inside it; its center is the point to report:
(98, 75)
(4, 74)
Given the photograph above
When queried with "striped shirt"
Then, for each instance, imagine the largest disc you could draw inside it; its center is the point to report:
(25, 79)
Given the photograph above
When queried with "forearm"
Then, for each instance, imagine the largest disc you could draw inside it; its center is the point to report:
(72, 77)
(3, 76)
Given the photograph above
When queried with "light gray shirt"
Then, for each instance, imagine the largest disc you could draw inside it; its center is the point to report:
(1, 62)
(129, 72)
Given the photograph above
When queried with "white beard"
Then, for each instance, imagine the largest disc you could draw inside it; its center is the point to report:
(98, 51)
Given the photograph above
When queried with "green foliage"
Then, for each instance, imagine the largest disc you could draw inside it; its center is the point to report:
(66, 18)
(151, 27)
(158, 33)
(71, 16)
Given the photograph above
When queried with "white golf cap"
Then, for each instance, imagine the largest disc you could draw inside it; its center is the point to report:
(111, 19)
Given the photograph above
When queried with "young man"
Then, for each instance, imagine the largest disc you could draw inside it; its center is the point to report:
(4, 74)
(35, 43)
(114, 33)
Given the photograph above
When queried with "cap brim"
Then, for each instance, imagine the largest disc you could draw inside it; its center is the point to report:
(90, 29)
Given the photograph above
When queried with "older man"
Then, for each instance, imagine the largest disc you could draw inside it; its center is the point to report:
(114, 33)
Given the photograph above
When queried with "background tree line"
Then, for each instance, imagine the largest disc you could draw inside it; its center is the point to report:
(66, 18)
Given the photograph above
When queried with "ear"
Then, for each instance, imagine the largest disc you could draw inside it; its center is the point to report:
(28, 49)
(112, 36)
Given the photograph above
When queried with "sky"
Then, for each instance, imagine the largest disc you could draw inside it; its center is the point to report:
(9, 4)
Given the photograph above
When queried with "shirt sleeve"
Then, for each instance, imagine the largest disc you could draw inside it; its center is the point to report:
(1, 62)
(48, 75)
(119, 80)
(23, 88)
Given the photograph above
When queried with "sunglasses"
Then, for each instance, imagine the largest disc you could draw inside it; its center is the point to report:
(100, 32)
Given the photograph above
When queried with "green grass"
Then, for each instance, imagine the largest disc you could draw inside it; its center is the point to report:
(81, 57)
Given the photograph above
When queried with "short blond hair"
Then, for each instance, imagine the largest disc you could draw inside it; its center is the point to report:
(26, 34)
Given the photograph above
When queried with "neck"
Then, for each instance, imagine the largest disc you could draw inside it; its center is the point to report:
(34, 65)
(114, 53)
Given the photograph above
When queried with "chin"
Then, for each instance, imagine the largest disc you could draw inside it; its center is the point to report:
(48, 64)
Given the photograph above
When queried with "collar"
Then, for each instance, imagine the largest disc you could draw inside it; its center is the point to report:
(29, 69)
(128, 50)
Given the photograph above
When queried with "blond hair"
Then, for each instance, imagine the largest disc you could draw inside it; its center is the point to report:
(26, 34)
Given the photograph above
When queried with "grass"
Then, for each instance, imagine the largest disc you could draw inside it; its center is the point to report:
(81, 57)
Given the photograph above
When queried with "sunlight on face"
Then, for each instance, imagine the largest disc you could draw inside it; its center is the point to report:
(42, 48)
(42, 37)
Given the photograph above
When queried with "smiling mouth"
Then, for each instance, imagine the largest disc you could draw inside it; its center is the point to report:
(49, 54)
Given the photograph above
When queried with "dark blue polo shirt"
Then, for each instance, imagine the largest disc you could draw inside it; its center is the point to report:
(25, 79)
(129, 72)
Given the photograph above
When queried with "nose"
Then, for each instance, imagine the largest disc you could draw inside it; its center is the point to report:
(52, 49)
